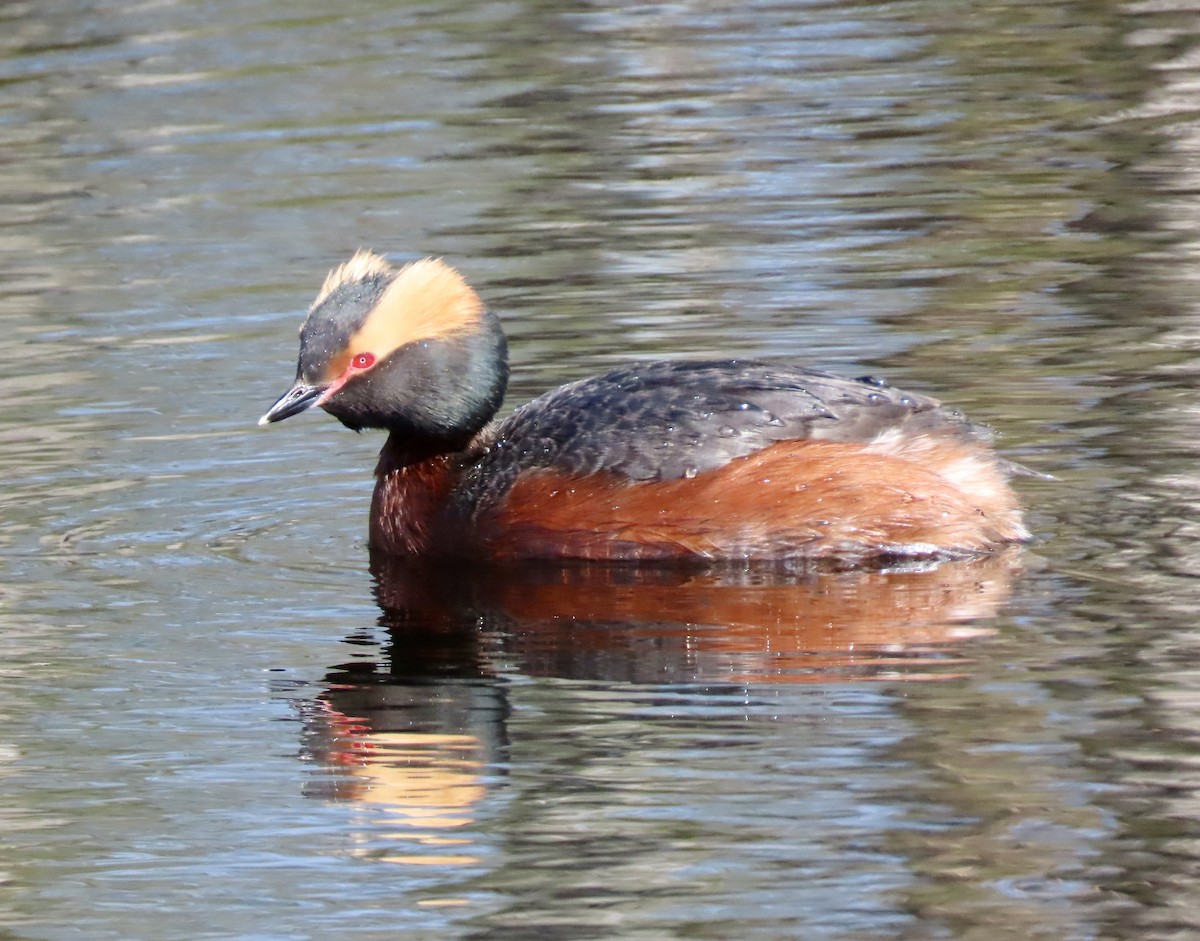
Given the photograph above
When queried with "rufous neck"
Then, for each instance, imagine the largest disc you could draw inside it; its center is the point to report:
(410, 496)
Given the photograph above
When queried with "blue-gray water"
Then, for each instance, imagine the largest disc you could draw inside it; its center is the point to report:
(218, 722)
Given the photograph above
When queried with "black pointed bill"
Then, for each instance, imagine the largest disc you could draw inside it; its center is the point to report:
(297, 399)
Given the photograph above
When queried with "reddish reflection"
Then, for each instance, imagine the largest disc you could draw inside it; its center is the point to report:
(413, 739)
(702, 625)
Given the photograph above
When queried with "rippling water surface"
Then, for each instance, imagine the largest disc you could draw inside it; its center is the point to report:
(222, 720)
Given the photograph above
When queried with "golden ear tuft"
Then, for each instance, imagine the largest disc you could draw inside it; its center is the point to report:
(430, 289)
(364, 264)
(425, 300)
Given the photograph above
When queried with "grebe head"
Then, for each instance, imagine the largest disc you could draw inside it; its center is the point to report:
(412, 350)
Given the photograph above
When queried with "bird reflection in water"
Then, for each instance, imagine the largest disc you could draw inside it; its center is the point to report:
(417, 780)
(418, 736)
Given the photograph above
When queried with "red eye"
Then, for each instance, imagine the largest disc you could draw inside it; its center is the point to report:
(363, 361)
